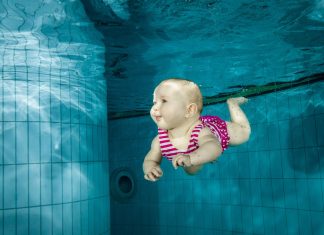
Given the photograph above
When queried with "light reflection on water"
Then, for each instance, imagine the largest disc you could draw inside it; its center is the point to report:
(53, 126)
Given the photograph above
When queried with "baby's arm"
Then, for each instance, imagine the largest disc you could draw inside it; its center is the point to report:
(208, 151)
(151, 165)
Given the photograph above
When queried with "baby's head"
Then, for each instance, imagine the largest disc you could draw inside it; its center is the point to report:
(176, 100)
(189, 89)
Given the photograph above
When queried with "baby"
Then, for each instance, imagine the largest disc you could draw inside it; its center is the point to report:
(184, 136)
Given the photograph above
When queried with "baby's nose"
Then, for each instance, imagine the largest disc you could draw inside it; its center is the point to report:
(155, 107)
(155, 110)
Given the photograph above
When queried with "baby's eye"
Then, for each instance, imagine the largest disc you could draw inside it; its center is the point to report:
(163, 101)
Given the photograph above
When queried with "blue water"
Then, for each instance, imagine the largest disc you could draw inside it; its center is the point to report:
(65, 65)
(53, 115)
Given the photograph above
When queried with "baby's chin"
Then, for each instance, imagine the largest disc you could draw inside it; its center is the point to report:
(161, 125)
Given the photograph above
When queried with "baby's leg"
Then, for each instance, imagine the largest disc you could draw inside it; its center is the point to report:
(239, 129)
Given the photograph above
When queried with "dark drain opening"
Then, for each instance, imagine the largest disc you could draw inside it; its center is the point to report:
(122, 184)
(125, 184)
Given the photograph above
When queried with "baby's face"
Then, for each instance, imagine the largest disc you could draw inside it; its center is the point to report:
(169, 105)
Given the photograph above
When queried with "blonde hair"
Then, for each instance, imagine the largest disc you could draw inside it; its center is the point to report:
(191, 89)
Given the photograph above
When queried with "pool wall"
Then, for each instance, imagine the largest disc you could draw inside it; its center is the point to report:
(53, 121)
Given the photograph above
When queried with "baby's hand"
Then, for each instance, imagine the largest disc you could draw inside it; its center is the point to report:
(181, 160)
(154, 174)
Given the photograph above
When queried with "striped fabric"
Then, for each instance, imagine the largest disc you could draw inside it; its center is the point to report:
(167, 148)
(216, 125)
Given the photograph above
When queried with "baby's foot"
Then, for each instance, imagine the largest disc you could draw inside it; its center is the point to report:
(237, 100)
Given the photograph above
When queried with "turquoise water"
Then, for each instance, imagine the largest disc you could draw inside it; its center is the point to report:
(53, 112)
(67, 66)
(271, 185)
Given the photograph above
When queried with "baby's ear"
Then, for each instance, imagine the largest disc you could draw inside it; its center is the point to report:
(192, 109)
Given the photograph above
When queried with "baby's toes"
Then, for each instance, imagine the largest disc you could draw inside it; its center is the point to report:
(242, 100)
(237, 100)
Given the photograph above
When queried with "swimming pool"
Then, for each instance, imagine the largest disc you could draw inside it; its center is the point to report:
(54, 161)
(77, 79)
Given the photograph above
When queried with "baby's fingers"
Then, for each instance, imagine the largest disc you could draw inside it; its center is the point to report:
(150, 177)
(157, 172)
(181, 161)
(175, 161)
(185, 161)
(147, 177)
(154, 174)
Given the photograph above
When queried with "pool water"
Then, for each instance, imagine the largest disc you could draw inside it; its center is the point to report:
(76, 85)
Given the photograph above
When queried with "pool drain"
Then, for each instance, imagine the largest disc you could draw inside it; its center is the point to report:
(122, 184)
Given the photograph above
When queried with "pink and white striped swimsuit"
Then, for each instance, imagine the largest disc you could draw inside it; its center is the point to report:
(216, 125)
